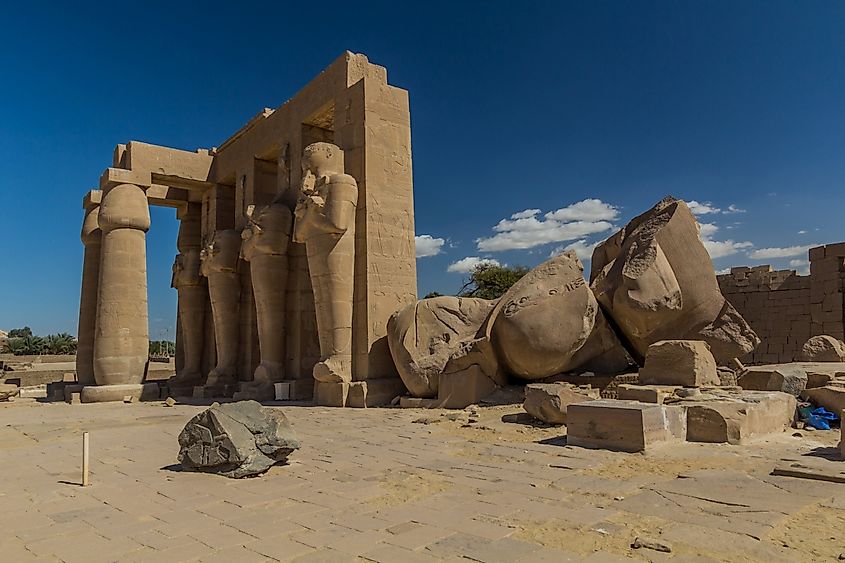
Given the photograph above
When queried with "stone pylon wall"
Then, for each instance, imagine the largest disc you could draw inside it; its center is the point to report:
(786, 309)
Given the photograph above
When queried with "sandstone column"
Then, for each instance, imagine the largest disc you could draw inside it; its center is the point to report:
(265, 247)
(91, 238)
(191, 288)
(121, 339)
(220, 266)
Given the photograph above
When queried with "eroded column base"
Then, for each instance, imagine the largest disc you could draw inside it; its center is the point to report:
(358, 394)
(110, 393)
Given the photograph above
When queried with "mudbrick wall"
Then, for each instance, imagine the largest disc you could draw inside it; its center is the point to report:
(786, 309)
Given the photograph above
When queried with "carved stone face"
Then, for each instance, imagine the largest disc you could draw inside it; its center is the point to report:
(322, 159)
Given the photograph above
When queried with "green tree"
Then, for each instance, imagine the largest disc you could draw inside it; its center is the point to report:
(162, 347)
(489, 281)
(62, 343)
(20, 332)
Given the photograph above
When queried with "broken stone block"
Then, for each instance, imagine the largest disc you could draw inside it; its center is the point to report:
(7, 391)
(626, 426)
(549, 402)
(831, 397)
(423, 336)
(687, 363)
(240, 439)
(735, 419)
(170, 402)
(655, 281)
(823, 349)
(33, 392)
(787, 378)
(545, 318)
(645, 393)
(461, 389)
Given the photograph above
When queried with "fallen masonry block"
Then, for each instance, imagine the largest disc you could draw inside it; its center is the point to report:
(831, 397)
(461, 389)
(735, 419)
(549, 401)
(823, 348)
(645, 393)
(787, 378)
(7, 391)
(626, 426)
(688, 363)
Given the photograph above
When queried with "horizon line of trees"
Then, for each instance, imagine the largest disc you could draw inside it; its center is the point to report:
(22, 342)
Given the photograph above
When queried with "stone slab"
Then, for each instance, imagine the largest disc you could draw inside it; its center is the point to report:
(831, 397)
(109, 393)
(645, 393)
(687, 363)
(736, 420)
(627, 426)
(549, 402)
(464, 388)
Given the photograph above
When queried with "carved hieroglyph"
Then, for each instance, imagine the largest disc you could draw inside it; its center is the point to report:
(193, 293)
(121, 344)
(265, 247)
(325, 222)
(219, 263)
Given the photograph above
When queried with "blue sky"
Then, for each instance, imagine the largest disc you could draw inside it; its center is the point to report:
(608, 105)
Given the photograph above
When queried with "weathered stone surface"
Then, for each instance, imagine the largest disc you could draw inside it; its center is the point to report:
(549, 402)
(544, 319)
(679, 362)
(787, 378)
(461, 389)
(7, 391)
(236, 440)
(424, 335)
(819, 374)
(656, 281)
(823, 349)
(831, 397)
(626, 426)
(735, 419)
(645, 393)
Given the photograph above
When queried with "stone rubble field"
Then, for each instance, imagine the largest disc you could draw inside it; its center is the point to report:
(484, 484)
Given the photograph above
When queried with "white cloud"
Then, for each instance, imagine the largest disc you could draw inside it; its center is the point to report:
(427, 245)
(734, 209)
(723, 271)
(699, 208)
(801, 266)
(720, 248)
(468, 264)
(525, 230)
(782, 252)
(582, 248)
(802, 232)
(525, 214)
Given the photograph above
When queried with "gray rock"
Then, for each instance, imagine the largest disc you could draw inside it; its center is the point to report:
(237, 440)
(787, 378)
(648, 543)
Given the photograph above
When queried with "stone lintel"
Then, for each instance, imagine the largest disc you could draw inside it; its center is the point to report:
(92, 199)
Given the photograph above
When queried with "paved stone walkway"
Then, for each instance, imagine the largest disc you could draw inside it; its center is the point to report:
(374, 485)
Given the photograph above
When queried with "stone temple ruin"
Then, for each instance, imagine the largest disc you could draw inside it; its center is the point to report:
(296, 280)
(296, 244)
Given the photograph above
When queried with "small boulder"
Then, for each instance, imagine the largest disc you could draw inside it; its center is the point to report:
(237, 440)
(549, 401)
(787, 378)
(7, 391)
(823, 349)
(679, 362)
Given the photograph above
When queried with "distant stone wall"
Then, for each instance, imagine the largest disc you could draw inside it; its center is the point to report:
(786, 309)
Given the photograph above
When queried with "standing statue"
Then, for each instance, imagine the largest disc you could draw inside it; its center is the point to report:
(265, 247)
(325, 222)
(192, 292)
(220, 266)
